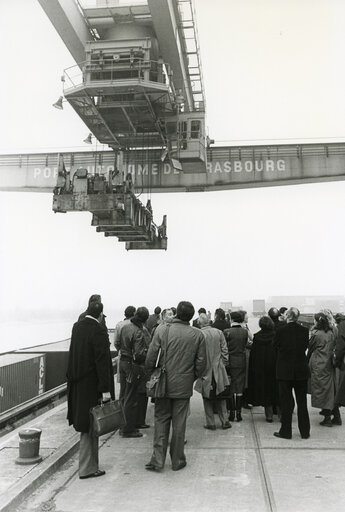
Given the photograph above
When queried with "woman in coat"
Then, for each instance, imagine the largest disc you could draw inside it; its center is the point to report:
(237, 341)
(262, 371)
(215, 379)
(322, 371)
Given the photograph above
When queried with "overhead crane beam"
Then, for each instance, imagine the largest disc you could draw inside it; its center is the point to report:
(70, 24)
(227, 168)
(165, 18)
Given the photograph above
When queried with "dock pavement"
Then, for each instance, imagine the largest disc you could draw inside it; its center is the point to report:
(241, 469)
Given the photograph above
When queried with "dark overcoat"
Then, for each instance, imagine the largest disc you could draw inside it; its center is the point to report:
(237, 341)
(291, 343)
(262, 384)
(89, 372)
(339, 357)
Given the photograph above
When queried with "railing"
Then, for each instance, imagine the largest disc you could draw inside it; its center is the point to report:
(190, 38)
(89, 72)
(101, 158)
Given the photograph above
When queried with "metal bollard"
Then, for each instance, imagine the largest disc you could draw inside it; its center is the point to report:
(29, 446)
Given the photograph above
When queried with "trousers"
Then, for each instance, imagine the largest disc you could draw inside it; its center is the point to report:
(129, 392)
(88, 453)
(287, 405)
(220, 407)
(174, 412)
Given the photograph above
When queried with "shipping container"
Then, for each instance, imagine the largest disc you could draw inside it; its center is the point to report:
(56, 361)
(22, 377)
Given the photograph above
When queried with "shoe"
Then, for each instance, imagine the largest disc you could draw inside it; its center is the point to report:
(132, 434)
(99, 472)
(210, 427)
(142, 426)
(336, 421)
(327, 422)
(232, 416)
(322, 412)
(152, 467)
(278, 434)
(305, 437)
(269, 420)
(180, 466)
(226, 425)
(245, 405)
(239, 401)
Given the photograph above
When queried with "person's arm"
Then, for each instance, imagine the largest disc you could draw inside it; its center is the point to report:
(200, 359)
(152, 353)
(117, 336)
(340, 345)
(250, 335)
(276, 340)
(102, 360)
(139, 347)
(312, 344)
(224, 350)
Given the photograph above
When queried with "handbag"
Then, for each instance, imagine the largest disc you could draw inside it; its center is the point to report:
(107, 417)
(156, 385)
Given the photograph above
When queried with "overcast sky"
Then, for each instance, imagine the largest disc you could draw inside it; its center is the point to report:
(273, 71)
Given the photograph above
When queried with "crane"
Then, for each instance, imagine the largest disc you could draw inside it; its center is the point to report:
(138, 86)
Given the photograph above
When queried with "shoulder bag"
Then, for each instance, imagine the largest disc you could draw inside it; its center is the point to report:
(156, 386)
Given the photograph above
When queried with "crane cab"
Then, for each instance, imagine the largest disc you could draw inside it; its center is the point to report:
(186, 137)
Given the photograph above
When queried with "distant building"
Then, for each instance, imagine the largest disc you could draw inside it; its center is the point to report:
(310, 303)
(259, 307)
(227, 306)
(237, 308)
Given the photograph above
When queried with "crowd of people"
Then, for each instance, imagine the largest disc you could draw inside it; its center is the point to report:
(221, 359)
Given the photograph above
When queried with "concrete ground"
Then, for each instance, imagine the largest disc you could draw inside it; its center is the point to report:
(242, 469)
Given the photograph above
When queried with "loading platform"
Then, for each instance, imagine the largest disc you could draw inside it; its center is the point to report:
(242, 469)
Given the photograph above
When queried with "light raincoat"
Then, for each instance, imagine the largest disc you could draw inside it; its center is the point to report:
(217, 358)
(322, 372)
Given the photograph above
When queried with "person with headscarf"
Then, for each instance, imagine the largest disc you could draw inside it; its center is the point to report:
(237, 341)
(322, 372)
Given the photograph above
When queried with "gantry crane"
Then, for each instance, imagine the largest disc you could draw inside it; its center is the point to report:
(138, 86)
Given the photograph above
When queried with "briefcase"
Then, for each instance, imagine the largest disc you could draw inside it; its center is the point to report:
(107, 417)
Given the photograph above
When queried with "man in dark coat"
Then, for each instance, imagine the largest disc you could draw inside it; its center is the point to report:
(89, 380)
(134, 342)
(129, 314)
(185, 361)
(154, 319)
(292, 372)
(94, 298)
